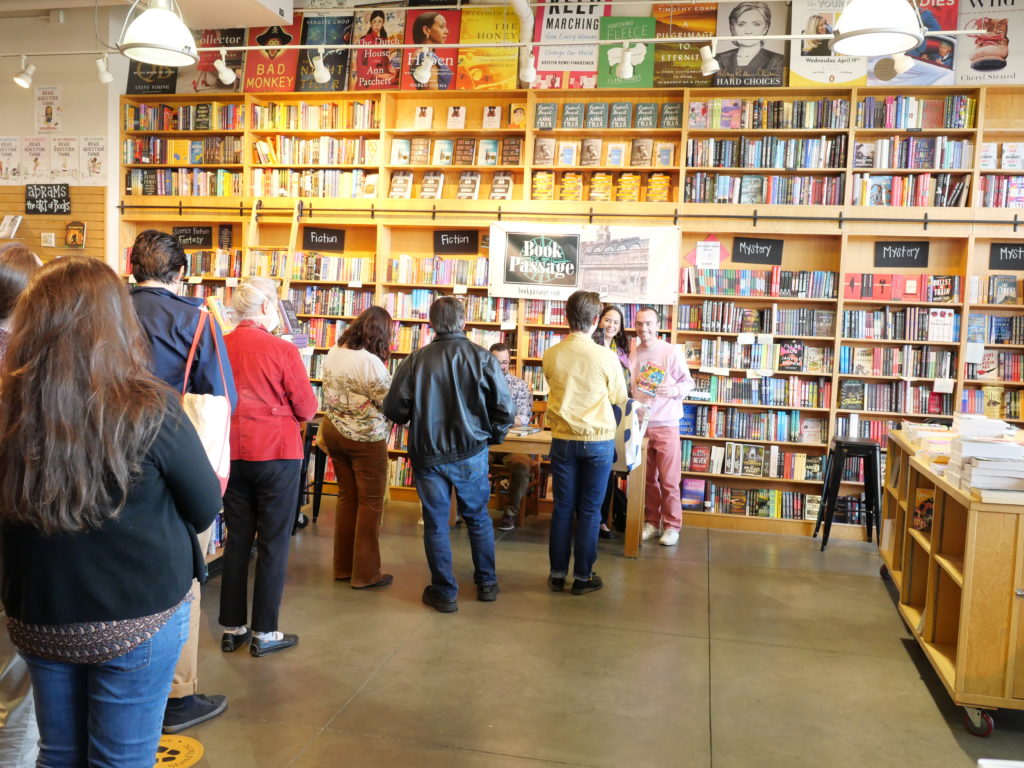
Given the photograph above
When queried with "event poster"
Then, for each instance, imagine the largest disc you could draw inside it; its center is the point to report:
(488, 69)
(202, 78)
(437, 32)
(49, 110)
(270, 69)
(933, 59)
(35, 159)
(550, 261)
(994, 54)
(639, 55)
(677, 65)
(811, 62)
(375, 65)
(573, 65)
(330, 31)
(753, 63)
(92, 161)
(64, 159)
(150, 79)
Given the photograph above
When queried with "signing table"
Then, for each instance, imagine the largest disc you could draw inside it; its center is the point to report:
(539, 444)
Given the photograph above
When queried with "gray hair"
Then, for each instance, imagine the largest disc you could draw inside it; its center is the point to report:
(447, 315)
(248, 298)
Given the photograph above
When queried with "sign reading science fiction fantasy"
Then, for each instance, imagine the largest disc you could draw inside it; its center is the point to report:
(550, 261)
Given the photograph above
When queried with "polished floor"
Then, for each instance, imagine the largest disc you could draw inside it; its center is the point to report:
(730, 650)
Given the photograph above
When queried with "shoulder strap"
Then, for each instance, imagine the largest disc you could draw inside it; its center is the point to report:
(205, 318)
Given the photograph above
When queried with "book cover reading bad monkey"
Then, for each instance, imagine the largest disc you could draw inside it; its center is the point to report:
(270, 69)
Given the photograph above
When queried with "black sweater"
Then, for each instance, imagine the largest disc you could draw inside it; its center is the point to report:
(137, 564)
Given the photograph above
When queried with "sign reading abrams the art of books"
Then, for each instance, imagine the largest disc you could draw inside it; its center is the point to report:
(551, 261)
(1006, 256)
(901, 253)
(52, 199)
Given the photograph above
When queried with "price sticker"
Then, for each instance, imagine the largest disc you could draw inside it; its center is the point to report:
(355, 284)
(458, 289)
(231, 282)
(943, 386)
(195, 279)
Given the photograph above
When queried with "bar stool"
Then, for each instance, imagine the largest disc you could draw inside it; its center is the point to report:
(844, 448)
(310, 450)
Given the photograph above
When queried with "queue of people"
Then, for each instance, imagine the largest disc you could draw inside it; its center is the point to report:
(106, 528)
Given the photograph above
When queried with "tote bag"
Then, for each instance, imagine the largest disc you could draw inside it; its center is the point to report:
(629, 435)
(210, 414)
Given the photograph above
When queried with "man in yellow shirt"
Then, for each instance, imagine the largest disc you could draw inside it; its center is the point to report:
(584, 379)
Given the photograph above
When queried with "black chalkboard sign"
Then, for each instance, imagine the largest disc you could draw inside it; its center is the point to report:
(453, 241)
(47, 199)
(1006, 256)
(893, 254)
(323, 239)
(757, 250)
(194, 237)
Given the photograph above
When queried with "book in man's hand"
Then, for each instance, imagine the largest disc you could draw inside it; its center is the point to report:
(529, 429)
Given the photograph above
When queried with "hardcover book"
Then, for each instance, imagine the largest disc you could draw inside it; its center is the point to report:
(672, 115)
(543, 185)
(469, 186)
(647, 115)
(621, 115)
(464, 152)
(543, 151)
(544, 118)
(616, 154)
(700, 458)
(401, 185)
(568, 152)
(640, 152)
(419, 151)
(516, 115)
(511, 150)
(851, 394)
(456, 117)
(664, 154)
(487, 154)
(791, 356)
(432, 185)
(501, 186)
(377, 64)
(432, 63)
(924, 503)
(693, 494)
(590, 153)
(423, 118)
(572, 114)
(649, 377)
(443, 149)
(487, 69)
(597, 114)
(400, 151)
(491, 117)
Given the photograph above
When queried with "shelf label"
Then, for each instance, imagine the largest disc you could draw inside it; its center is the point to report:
(195, 279)
(231, 282)
(1006, 256)
(757, 250)
(706, 369)
(458, 289)
(943, 386)
(194, 237)
(722, 371)
(765, 339)
(745, 338)
(456, 241)
(508, 325)
(974, 352)
(901, 253)
(752, 374)
(355, 284)
(709, 254)
(323, 239)
(765, 373)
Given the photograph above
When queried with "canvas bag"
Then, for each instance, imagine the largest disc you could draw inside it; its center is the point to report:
(629, 435)
(210, 414)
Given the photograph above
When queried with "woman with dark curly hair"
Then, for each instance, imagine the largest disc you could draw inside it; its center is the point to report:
(611, 333)
(354, 433)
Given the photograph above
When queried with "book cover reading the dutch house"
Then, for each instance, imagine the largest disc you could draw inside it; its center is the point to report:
(376, 66)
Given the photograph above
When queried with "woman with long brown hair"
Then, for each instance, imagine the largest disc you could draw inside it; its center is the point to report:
(355, 433)
(103, 483)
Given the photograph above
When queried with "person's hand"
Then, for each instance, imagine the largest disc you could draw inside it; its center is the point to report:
(666, 390)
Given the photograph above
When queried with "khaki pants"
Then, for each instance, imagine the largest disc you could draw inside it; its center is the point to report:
(186, 674)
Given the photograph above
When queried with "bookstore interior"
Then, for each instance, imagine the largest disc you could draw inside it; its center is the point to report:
(825, 215)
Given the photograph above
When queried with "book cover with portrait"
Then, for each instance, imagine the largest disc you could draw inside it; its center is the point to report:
(677, 65)
(488, 69)
(375, 65)
(934, 58)
(273, 69)
(330, 31)
(433, 65)
(753, 63)
(811, 62)
(203, 77)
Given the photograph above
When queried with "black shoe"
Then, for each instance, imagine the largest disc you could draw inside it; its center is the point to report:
(581, 587)
(383, 581)
(605, 533)
(231, 642)
(487, 593)
(433, 599)
(507, 523)
(191, 710)
(260, 647)
(556, 583)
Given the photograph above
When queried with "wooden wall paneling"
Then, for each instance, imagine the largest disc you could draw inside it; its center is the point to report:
(88, 204)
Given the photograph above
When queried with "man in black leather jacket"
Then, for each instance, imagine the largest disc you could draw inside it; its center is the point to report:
(453, 395)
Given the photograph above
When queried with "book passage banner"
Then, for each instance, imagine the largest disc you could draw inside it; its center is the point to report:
(551, 261)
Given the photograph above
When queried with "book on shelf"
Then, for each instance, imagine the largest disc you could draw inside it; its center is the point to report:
(627, 188)
(401, 185)
(517, 115)
(988, 156)
(863, 361)
(640, 152)
(864, 154)
(751, 190)
(590, 151)
(646, 115)
(620, 115)
(924, 504)
(419, 151)
(443, 150)
(698, 115)
(432, 185)
(501, 186)
(601, 187)
(492, 117)
(456, 117)
(597, 115)
(1011, 156)
(572, 114)
(543, 185)
(423, 117)
(544, 115)
(1002, 289)
(659, 188)
(851, 395)
(543, 151)
(617, 154)
(400, 151)
(700, 458)
(692, 494)
(511, 150)
(370, 186)
(568, 152)
(570, 186)
(464, 151)
(672, 114)
(791, 356)
(487, 152)
(469, 186)
(664, 154)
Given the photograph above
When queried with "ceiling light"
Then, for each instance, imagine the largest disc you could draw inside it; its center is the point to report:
(877, 28)
(708, 63)
(158, 35)
(103, 70)
(527, 71)
(24, 76)
(421, 74)
(321, 73)
(901, 63)
(624, 69)
(224, 73)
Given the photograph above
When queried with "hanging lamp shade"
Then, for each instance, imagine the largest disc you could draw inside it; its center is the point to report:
(158, 35)
(876, 28)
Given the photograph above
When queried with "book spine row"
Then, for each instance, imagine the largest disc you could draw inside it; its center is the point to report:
(218, 263)
(545, 312)
(784, 505)
(720, 353)
(158, 151)
(769, 152)
(749, 460)
(283, 182)
(183, 182)
(789, 427)
(407, 338)
(438, 270)
(326, 150)
(914, 153)
(1009, 366)
(534, 376)
(313, 300)
(539, 342)
(906, 324)
(908, 112)
(345, 115)
(1001, 191)
(770, 113)
(778, 282)
(400, 473)
(723, 188)
(854, 425)
(782, 392)
(335, 269)
(911, 361)
(893, 397)
(323, 332)
(942, 190)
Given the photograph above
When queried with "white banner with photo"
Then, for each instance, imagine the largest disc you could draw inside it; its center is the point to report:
(550, 261)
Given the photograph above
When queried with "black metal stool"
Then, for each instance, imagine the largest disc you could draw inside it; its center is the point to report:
(844, 448)
(309, 450)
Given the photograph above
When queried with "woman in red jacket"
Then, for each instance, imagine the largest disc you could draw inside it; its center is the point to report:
(274, 396)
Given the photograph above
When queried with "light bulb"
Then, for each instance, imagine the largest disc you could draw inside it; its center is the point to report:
(24, 76)
(159, 36)
(321, 74)
(224, 73)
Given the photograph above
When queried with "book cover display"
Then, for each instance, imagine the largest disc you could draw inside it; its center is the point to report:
(649, 378)
(328, 31)
(995, 52)
(811, 62)
(487, 69)
(431, 67)
(757, 62)
(377, 67)
(575, 64)
(933, 59)
(271, 70)
(677, 65)
(638, 56)
(203, 77)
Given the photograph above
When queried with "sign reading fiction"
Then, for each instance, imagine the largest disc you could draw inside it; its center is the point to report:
(1006, 256)
(323, 239)
(542, 260)
(757, 250)
(901, 253)
(194, 237)
(450, 241)
(47, 199)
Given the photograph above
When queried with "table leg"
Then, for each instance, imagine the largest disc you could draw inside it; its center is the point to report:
(635, 488)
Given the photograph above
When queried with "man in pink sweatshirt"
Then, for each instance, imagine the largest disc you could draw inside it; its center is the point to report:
(660, 382)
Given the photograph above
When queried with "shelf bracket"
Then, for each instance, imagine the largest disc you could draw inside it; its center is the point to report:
(241, 209)
(499, 213)
(433, 212)
(299, 211)
(753, 218)
(181, 210)
(925, 221)
(590, 216)
(120, 207)
(1015, 223)
(373, 210)
(840, 220)
(675, 218)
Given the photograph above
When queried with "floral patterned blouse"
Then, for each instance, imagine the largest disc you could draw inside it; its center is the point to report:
(355, 383)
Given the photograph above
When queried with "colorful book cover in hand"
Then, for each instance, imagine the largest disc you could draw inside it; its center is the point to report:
(271, 69)
(432, 66)
(376, 66)
(488, 69)
(756, 62)
(638, 58)
(649, 378)
(573, 65)
(811, 62)
(203, 78)
(994, 52)
(677, 65)
(328, 31)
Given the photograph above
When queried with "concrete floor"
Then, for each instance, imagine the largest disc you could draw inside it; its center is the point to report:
(730, 650)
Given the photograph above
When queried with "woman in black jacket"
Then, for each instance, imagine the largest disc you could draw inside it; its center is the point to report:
(103, 483)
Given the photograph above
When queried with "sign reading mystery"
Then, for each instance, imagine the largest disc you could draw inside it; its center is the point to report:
(47, 199)
(323, 239)
(900, 254)
(1006, 256)
(194, 237)
(757, 250)
(450, 241)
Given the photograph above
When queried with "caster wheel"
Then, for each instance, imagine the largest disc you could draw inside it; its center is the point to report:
(884, 573)
(302, 522)
(984, 726)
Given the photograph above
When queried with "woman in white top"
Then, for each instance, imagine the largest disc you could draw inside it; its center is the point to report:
(354, 433)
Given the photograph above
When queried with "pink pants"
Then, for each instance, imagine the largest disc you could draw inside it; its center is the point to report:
(661, 505)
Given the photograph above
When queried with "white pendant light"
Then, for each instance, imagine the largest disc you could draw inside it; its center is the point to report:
(527, 70)
(224, 73)
(103, 70)
(421, 74)
(708, 63)
(321, 73)
(158, 35)
(877, 28)
(24, 76)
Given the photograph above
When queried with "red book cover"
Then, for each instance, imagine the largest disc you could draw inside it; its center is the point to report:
(433, 66)
(912, 288)
(376, 67)
(881, 287)
(851, 285)
(271, 70)
(700, 458)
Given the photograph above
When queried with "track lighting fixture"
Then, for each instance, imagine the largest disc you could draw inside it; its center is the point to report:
(708, 63)
(24, 76)
(421, 74)
(320, 72)
(877, 28)
(157, 35)
(224, 73)
(103, 70)
(527, 71)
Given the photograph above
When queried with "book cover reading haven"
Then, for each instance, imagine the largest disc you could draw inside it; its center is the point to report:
(488, 69)
(377, 67)
(432, 66)
(677, 65)
(270, 69)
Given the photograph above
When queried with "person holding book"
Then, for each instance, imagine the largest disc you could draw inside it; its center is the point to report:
(519, 465)
(661, 380)
(585, 380)
(611, 333)
(355, 435)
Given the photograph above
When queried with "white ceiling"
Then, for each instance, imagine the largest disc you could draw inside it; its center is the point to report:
(198, 14)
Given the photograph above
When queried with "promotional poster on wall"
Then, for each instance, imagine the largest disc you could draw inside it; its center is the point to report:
(330, 31)
(811, 62)
(994, 53)
(639, 57)
(573, 65)
(376, 67)
(92, 161)
(150, 79)
(432, 66)
(677, 65)
(202, 78)
(270, 69)
(10, 160)
(49, 109)
(933, 59)
(64, 159)
(488, 69)
(551, 261)
(756, 62)
(35, 159)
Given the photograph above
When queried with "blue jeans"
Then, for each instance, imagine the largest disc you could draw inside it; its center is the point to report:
(472, 490)
(107, 715)
(579, 479)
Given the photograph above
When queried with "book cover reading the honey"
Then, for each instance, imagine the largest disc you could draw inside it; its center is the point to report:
(432, 66)
(376, 65)
(273, 69)
(488, 69)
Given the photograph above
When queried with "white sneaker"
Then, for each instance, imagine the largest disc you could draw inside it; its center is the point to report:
(650, 532)
(669, 538)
